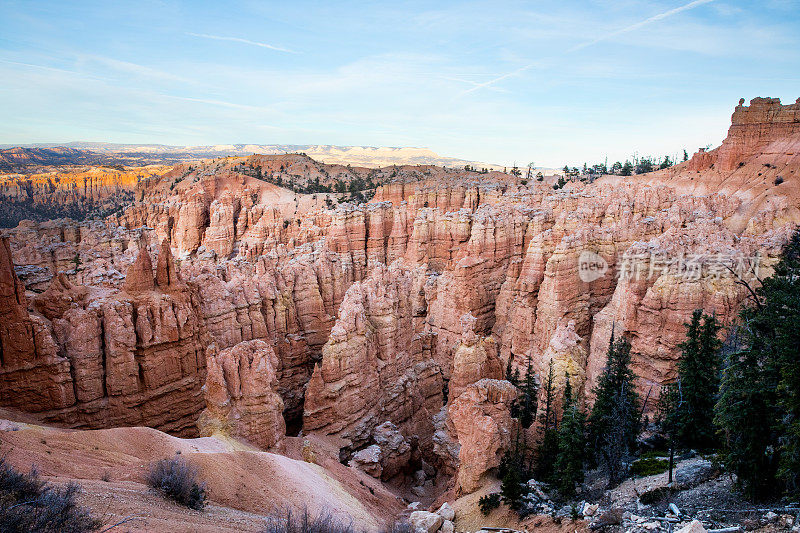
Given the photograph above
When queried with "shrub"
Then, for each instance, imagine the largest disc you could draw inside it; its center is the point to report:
(303, 522)
(28, 504)
(656, 495)
(489, 502)
(654, 454)
(649, 467)
(177, 480)
(778, 180)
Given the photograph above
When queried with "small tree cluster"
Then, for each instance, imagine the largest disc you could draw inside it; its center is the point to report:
(758, 411)
(614, 421)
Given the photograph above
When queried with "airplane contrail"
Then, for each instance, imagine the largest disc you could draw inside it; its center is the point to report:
(240, 40)
(632, 27)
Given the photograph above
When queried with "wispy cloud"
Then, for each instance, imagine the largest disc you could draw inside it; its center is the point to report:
(581, 46)
(243, 41)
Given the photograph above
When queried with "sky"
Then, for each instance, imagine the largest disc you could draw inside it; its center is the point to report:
(504, 82)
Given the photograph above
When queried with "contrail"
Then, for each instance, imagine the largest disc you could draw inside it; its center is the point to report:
(632, 27)
(239, 40)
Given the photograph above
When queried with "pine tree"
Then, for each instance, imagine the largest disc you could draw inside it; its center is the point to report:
(691, 422)
(511, 488)
(529, 401)
(512, 472)
(548, 450)
(571, 444)
(759, 406)
(614, 420)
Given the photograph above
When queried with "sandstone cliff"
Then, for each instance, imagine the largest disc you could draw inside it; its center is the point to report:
(353, 318)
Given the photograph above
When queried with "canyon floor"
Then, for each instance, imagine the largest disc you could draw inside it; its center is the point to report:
(338, 336)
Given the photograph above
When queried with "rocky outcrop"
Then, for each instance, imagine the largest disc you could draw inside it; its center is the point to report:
(480, 419)
(241, 395)
(474, 359)
(100, 359)
(398, 313)
(377, 365)
(753, 129)
(33, 376)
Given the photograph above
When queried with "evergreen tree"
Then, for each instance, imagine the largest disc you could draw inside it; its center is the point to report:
(548, 450)
(759, 406)
(529, 399)
(691, 421)
(511, 488)
(627, 169)
(512, 474)
(571, 444)
(614, 420)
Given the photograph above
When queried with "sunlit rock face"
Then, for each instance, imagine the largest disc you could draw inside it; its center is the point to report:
(223, 300)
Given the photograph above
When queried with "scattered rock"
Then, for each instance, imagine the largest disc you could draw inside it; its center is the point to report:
(695, 526)
(611, 517)
(589, 509)
(425, 522)
(446, 512)
(695, 473)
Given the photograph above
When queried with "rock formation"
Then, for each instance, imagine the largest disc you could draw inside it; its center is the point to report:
(384, 325)
(241, 397)
(481, 421)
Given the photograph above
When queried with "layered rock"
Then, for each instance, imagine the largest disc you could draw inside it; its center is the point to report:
(100, 359)
(34, 376)
(474, 359)
(485, 271)
(480, 419)
(378, 364)
(241, 395)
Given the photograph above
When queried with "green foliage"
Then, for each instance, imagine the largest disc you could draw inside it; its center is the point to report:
(615, 419)
(656, 495)
(511, 488)
(644, 165)
(548, 449)
(759, 406)
(528, 401)
(489, 503)
(627, 169)
(648, 467)
(571, 445)
(654, 454)
(546, 455)
(691, 399)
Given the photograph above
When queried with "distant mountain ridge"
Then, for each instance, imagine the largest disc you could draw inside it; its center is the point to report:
(368, 156)
(17, 158)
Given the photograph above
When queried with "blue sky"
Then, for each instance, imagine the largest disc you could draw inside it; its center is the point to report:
(550, 82)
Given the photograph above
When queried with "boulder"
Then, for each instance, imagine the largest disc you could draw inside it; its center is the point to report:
(425, 522)
(694, 473)
(446, 512)
(695, 526)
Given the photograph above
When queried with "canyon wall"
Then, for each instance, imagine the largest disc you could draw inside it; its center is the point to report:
(401, 313)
